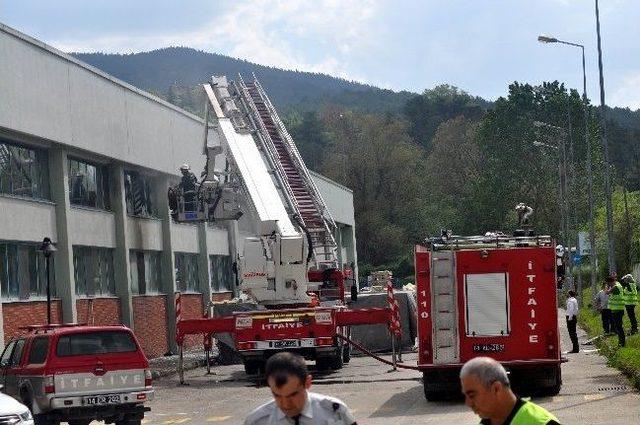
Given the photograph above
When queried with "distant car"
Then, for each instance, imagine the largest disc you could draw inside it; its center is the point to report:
(77, 374)
(12, 412)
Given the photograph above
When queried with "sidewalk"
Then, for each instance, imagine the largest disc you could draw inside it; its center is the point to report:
(604, 394)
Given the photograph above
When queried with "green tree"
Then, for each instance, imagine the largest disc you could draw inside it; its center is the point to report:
(376, 158)
(433, 107)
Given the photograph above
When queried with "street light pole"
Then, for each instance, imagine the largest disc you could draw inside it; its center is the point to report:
(605, 146)
(48, 249)
(585, 106)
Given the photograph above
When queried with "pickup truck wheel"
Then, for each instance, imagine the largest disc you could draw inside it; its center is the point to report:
(346, 353)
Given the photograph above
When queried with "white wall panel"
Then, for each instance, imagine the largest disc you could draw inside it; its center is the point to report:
(217, 241)
(25, 220)
(184, 238)
(92, 228)
(144, 233)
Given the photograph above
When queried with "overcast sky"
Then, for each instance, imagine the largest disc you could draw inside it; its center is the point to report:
(478, 45)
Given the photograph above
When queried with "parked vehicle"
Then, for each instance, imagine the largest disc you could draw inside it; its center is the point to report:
(77, 374)
(13, 412)
(491, 295)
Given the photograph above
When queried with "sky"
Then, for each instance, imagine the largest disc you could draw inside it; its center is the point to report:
(480, 46)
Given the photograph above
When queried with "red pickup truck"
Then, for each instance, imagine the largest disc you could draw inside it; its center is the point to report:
(77, 374)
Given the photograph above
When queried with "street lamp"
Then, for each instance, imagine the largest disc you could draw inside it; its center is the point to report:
(585, 107)
(563, 192)
(48, 249)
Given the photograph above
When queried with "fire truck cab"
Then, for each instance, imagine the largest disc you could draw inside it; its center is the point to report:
(491, 295)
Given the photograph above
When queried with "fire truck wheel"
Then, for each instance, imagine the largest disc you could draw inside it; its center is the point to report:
(253, 367)
(337, 360)
(555, 388)
(323, 364)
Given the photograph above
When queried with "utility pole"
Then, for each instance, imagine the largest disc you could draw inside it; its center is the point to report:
(611, 254)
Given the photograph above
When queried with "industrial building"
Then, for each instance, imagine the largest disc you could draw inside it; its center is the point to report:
(86, 160)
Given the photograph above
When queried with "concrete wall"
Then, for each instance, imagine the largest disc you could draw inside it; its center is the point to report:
(92, 227)
(338, 198)
(30, 220)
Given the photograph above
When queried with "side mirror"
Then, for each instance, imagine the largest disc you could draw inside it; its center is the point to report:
(354, 293)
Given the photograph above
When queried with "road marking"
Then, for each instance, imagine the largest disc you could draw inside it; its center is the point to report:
(556, 399)
(218, 418)
(177, 421)
(592, 397)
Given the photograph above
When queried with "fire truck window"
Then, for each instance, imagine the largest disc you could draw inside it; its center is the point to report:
(39, 349)
(487, 304)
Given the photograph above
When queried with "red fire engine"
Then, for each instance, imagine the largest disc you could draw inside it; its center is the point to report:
(492, 295)
(288, 263)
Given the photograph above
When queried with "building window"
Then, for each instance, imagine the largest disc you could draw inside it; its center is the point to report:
(221, 273)
(23, 272)
(146, 272)
(93, 271)
(88, 185)
(187, 272)
(23, 171)
(137, 188)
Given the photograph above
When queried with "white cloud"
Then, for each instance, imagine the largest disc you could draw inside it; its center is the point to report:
(315, 36)
(628, 93)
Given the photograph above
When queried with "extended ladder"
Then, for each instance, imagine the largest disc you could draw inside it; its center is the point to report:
(298, 187)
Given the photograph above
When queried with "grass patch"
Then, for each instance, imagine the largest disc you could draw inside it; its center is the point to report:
(626, 359)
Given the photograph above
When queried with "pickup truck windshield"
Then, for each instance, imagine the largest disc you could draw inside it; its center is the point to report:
(95, 343)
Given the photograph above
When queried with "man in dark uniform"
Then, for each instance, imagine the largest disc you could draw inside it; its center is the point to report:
(189, 185)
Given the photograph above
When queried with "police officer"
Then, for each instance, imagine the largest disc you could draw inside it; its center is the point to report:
(488, 393)
(289, 381)
(616, 305)
(630, 293)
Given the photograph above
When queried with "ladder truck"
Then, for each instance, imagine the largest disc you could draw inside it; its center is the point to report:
(290, 267)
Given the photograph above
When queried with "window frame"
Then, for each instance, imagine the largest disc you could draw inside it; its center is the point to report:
(91, 264)
(149, 209)
(46, 350)
(38, 171)
(190, 286)
(215, 283)
(101, 183)
(23, 272)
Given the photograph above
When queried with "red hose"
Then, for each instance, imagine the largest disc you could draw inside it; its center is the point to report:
(378, 358)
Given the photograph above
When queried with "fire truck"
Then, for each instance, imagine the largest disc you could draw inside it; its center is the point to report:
(289, 264)
(491, 295)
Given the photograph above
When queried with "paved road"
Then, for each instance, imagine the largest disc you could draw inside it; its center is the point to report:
(592, 394)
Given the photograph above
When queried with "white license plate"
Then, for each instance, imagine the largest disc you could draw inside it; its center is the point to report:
(285, 344)
(102, 399)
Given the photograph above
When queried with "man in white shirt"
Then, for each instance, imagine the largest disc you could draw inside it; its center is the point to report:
(572, 320)
(292, 403)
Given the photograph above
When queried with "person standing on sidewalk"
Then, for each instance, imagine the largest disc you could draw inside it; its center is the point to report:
(601, 302)
(630, 292)
(616, 304)
(572, 321)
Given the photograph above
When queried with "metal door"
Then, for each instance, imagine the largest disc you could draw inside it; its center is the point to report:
(444, 308)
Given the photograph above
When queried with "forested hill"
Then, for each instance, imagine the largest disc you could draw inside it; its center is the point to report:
(180, 67)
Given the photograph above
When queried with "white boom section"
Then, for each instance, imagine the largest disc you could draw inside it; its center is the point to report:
(273, 266)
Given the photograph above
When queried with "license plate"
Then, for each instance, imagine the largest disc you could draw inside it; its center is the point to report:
(102, 399)
(285, 344)
(488, 348)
